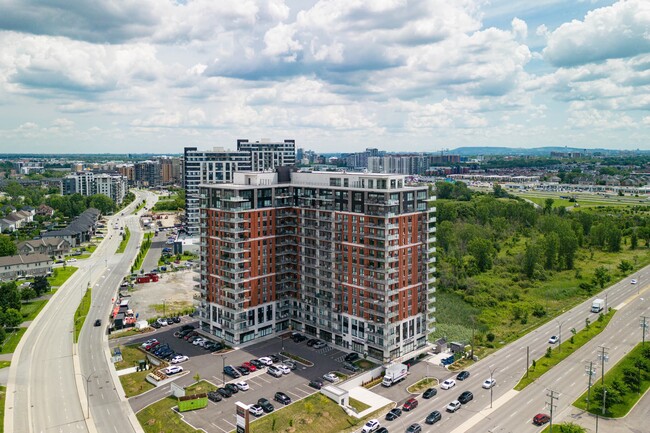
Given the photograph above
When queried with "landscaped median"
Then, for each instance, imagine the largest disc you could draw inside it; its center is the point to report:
(124, 242)
(81, 313)
(558, 354)
(625, 384)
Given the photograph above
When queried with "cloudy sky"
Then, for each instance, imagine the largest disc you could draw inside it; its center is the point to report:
(336, 75)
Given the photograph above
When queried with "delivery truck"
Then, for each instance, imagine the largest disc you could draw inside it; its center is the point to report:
(394, 373)
(598, 305)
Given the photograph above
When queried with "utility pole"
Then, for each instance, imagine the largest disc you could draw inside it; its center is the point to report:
(604, 356)
(589, 371)
(492, 370)
(527, 359)
(644, 327)
(551, 404)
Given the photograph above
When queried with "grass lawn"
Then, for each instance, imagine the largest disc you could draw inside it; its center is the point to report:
(423, 384)
(633, 390)
(12, 340)
(30, 309)
(364, 364)
(159, 417)
(144, 248)
(314, 414)
(172, 308)
(81, 313)
(61, 275)
(128, 333)
(4, 364)
(130, 356)
(125, 240)
(359, 406)
(567, 348)
(3, 397)
(135, 383)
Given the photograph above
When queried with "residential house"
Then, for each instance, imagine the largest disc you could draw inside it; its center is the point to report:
(16, 220)
(12, 267)
(80, 230)
(45, 210)
(49, 246)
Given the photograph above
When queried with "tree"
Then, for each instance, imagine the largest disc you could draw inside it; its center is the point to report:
(625, 266)
(27, 293)
(3, 335)
(631, 377)
(482, 250)
(7, 247)
(104, 203)
(551, 246)
(12, 318)
(569, 427)
(41, 285)
(548, 206)
(9, 296)
(634, 240)
(529, 262)
(602, 276)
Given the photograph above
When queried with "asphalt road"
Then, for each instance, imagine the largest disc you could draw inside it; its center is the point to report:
(42, 390)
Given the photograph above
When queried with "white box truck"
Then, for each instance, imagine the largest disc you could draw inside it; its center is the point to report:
(598, 305)
(394, 373)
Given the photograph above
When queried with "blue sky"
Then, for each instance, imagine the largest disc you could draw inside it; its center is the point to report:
(336, 75)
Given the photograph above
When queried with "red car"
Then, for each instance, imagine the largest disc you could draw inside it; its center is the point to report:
(250, 366)
(410, 404)
(541, 419)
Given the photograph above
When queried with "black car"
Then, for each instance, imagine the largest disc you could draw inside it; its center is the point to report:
(282, 398)
(393, 414)
(170, 321)
(429, 393)
(214, 396)
(275, 358)
(316, 383)
(176, 319)
(266, 405)
(462, 375)
(433, 417)
(351, 357)
(224, 392)
(297, 337)
(232, 388)
(257, 364)
(312, 341)
(229, 371)
(98, 322)
(414, 428)
(160, 349)
(187, 328)
(465, 397)
(156, 325)
(382, 430)
(243, 370)
(351, 367)
(182, 334)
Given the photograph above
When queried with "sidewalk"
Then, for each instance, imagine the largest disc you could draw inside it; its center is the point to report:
(366, 396)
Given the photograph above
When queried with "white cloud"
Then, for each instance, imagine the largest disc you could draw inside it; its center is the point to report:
(519, 28)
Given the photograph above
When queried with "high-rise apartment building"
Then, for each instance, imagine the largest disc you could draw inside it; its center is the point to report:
(147, 174)
(348, 258)
(88, 183)
(219, 165)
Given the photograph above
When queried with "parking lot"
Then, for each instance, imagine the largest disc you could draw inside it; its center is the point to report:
(220, 416)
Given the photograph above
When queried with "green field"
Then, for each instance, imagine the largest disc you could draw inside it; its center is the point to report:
(30, 309)
(130, 356)
(584, 200)
(4, 364)
(3, 397)
(61, 275)
(135, 383)
(12, 340)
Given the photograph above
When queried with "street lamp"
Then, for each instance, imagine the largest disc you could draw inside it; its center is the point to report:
(604, 357)
(87, 379)
(492, 370)
(644, 327)
(591, 372)
(560, 323)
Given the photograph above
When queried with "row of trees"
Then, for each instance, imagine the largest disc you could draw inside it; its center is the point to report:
(11, 297)
(74, 204)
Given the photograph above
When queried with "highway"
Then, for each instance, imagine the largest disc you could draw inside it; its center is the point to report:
(45, 374)
(512, 411)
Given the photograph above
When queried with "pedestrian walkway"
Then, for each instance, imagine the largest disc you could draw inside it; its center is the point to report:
(368, 397)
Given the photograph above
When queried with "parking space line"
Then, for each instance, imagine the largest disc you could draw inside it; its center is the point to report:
(295, 395)
(225, 431)
(226, 421)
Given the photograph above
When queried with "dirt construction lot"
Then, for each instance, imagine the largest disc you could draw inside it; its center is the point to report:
(174, 288)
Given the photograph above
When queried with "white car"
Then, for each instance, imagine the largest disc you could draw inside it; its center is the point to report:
(162, 322)
(489, 383)
(370, 426)
(148, 342)
(554, 339)
(453, 406)
(331, 377)
(180, 358)
(256, 410)
(173, 370)
(199, 342)
(72, 260)
(266, 360)
(448, 384)
(284, 369)
(634, 281)
(243, 386)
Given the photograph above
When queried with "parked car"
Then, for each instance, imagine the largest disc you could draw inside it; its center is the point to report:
(292, 365)
(433, 417)
(176, 319)
(351, 357)
(232, 388)
(266, 360)
(148, 343)
(351, 367)
(453, 406)
(429, 393)
(466, 397)
(179, 358)
(169, 321)
(274, 371)
(173, 369)
(156, 325)
(199, 341)
(256, 410)
(462, 375)
(312, 341)
(162, 322)
(331, 377)
(249, 366)
(266, 405)
(410, 404)
(489, 383)
(448, 384)
(319, 345)
(554, 339)
(316, 383)
(414, 428)
(297, 337)
(282, 398)
(229, 370)
(257, 363)
(541, 419)
(243, 370)
(224, 392)
(283, 368)
(371, 426)
(275, 358)
(214, 396)
(382, 430)
(191, 334)
(393, 414)
(243, 386)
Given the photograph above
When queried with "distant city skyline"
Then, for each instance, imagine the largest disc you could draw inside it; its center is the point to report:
(150, 76)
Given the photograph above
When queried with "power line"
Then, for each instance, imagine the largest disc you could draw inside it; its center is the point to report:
(552, 395)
